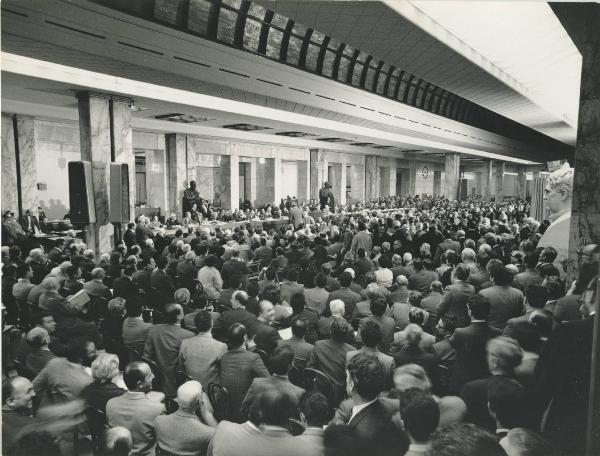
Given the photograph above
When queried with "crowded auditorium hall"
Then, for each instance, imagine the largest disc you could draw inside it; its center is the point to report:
(300, 228)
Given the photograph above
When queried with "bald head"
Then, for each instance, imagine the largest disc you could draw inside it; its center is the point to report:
(189, 394)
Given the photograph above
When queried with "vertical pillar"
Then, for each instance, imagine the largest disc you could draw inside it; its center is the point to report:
(177, 172)
(156, 180)
(452, 175)
(392, 184)
(384, 180)
(358, 183)
(499, 181)
(437, 183)
(94, 132)
(371, 177)
(277, 180)
(9, 167)
(478, 186)
(343, 177)
(412, 178)
(123, 145)
(27, 164)
(318, 172)
(253, 182)
(303, 180)
(521, 182)
(486, 180)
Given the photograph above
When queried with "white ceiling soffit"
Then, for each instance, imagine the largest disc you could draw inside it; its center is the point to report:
(400, 34)
(523, 40)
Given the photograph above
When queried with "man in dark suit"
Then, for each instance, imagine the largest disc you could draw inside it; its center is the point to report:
(470, 343)
(450, 243)
(280, 363)
(265, 336)
(238, 313)
(296, 216)
(129, 235)
(369, 419)
(453, 306)
(329, 356)
(142, 277)
(163, 343)
(349, 297)
(161, 281)
(563, 376)
(239, 367)
(123, 287)
(506, 302)
(299, 346)
(30, 223)
(95, 287)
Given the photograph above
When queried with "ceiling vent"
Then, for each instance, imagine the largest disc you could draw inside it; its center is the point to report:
(246, 127)
(294, 134)
(181, 118)
(333, 140)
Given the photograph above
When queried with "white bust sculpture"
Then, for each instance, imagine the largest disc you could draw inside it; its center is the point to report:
(558, 195)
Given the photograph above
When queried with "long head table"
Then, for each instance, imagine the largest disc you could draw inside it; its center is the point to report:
(264, 224)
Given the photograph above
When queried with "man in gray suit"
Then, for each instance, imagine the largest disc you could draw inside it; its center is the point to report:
(134, 410)
(362, 240)
(163, 343)
(135, 329)
(200, 355)
(239, 367)
(280, 363)
(182, 432)
(296, 215)
(299, 346)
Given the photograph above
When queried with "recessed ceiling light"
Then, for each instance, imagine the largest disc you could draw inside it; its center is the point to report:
(182, 118)
(246, 127)
(295, 134)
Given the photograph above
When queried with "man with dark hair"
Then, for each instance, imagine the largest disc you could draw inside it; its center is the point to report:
(464, 439)
(21, 289)
(134, 410)
(129, 235)
(369, 419)
(535, 298)
(349, 297)
(161, 281)
(363, 264)
(450, 243)
(470, 343)
(231, 284)
(238, 313)
(329, 355)
(531, 275)
(506, 399)
(421, 416)
(39, 340)
(481, 275)
(506, 302)
(315, 413)
(123, 287)
(316, 298)
(163, 343)
(362, 239)
(299, 346)
(388, 325)
(371, 334)
(290, 286)
(280, 363)
(199, 356)
(135, 329)
(17, 403)
(265, 336)
(268, 280)
(264, 254)
(453, 306)
(421, 279)
(238, 369)
(308, 316)
(271, 411)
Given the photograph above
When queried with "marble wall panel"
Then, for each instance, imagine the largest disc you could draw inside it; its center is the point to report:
(521, 182)
(177, 171)
(486, 180)
(318, 172)
(452, 175)
(9, 167)
(27, 162)
(437, 182)
(303, 180)
(371, 177)
(123, 142)
(357, 183)
(499, 169)
(156, 180)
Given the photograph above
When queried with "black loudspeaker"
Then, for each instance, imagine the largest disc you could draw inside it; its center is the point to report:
(119, 193)
(81, 193)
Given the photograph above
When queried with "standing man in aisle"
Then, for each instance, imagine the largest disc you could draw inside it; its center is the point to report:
(326, 196)
(191, 197)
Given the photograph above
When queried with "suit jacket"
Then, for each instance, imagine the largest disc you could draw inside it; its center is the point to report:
(421, 281)
(329, 357)
(324, 329)
(135, 331)
(97, 289)
(142, 279)
(37, 360)
(470, 345)
(21, 289)
(376, 433)
(162, 346)
(361, 240)
(32, 220)
(232, 439)
(163, 283)
(301, 349)
(134, 411)
(260, 385)
(265, 336)
(124, 287)
(182, 433)
(349, 297)
(386, 360)
(442, 247)
(296, 216)
(238, 315)
(453, 306)
(563, 376)
(313, 439)
(316, 298)
(388, 327)
(200, 357)
(129, 238)
(505, 303)
(239, 367)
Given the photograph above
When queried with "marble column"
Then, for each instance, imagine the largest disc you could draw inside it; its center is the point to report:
(123, 144)
(318, 172)
(27, 164)
(486, 180)
(452, 175)
(9, 167)
(437, 183)
(392, 180)
(229, 183)
(384, 180)
(177, 171)
(156, 180)
(478, 185)
(358, 183)
(94, 132)
(277, 180)
(338, 182)
(303, 180)
(412, 178)
(371, 177)
(521, 182)
(499, 180)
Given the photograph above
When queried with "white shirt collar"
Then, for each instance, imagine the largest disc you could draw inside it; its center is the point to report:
(357, 408)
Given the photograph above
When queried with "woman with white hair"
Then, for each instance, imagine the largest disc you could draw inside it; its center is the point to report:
(105, 369)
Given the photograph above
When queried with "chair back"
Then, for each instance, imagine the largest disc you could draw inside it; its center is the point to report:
(219, 398)
(133, 353)
(157, 383)
(181, 377)
(315, 380)
(100, 308)
(23, 370)
(96, 419)
(296, 376)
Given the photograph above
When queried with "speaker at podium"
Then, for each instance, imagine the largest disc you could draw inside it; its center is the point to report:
(81, 193)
